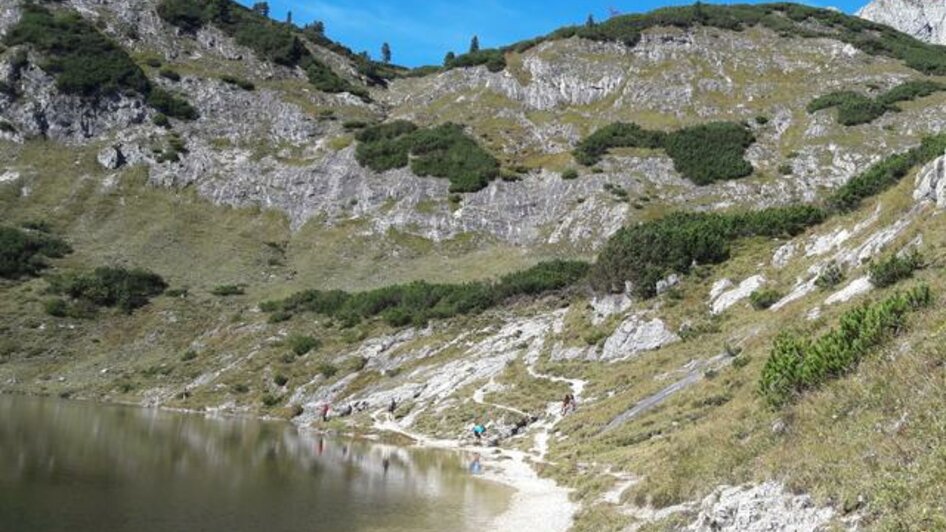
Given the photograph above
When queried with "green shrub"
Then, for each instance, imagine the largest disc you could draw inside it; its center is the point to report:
(910, 90)
(269, 400)
(301, 345)
(171, 105)
(56, 307)
(170, 74)
(110, 287)
(242, 83)
(269, 40)
(153, 62)
(761, 120)
(161, 120)
(590, 150)
(280, 379)
(239, 388)
(60, 308)
(569, 174)
(710, 152)
(648, 252)
(791, 20)
(189, 355)
(797, 363)
(443, 151)
(785, 169)
(703, 154)
(85, 62)
(494, 59)
(351, 125)
(23, 253)
(885, 174)
(854, 108)
(764, 298)
(417, 302)
(327, 370)
(227, 290)
(895, 268)
(830, 276)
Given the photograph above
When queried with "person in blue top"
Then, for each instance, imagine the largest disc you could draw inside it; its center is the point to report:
(478, 431)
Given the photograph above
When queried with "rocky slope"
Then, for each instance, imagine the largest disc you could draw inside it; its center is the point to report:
(265, 196)
(923, 19)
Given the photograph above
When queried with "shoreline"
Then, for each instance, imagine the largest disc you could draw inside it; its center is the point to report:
(534, 500)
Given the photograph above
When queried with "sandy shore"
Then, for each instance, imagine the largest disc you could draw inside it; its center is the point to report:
(536, 500)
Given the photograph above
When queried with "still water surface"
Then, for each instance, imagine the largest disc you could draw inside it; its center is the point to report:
(80, 467)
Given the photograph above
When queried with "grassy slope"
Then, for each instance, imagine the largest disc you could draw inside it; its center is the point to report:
(874, 436)
(719, 431)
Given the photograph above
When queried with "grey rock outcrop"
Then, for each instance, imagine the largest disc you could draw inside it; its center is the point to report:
(923, 19)
(758, 508)
(931, 183)
(636, 335)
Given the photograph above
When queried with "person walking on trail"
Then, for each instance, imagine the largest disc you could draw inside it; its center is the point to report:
(392, 407)
(325, 409)
(478, 431)
(566, 403)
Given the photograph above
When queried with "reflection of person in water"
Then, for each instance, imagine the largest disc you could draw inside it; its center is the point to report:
(385, 464)
(475, 466)
(321, 446)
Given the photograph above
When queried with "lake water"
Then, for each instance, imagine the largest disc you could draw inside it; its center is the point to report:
(75, 466)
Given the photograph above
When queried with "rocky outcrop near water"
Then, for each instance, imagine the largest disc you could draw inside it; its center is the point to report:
(923, 19)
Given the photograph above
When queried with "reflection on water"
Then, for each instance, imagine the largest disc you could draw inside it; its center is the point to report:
(88, 467)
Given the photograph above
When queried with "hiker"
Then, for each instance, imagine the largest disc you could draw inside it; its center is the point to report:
(566, 402)
(325, 409)
(478, 431)
(392, 407)
(347, 411)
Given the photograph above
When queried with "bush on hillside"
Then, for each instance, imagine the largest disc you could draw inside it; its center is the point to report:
(493, 58)
(110, 287)
(269, 40)
(764, 298)
(830, 276)
(242, 83)
(894, 269)
(169, 74)
(703, 154)
(443, 151)
(23, 253)
(227, 290)
(789, 20)
(798, 363)
(855, 108)
(85, 62)
(710, 152)
(885, 174)
(644, 254)
(418, 302)
(301, 345)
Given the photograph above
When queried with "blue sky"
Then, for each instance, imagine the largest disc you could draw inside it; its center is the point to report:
(422, 31)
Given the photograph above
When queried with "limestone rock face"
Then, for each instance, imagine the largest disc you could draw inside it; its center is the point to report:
(759, 508)
(923, 19)
(931, 183)
(636, 335)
